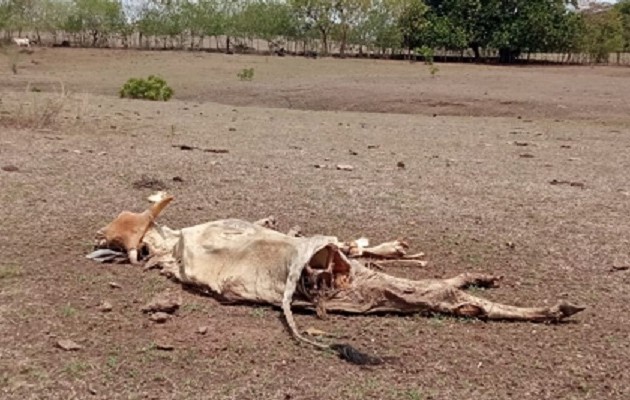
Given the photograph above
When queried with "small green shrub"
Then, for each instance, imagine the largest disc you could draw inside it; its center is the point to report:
(427, 54)
(152, 88)
(246, 74)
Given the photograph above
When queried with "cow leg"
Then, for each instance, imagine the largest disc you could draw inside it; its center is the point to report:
(466, 305)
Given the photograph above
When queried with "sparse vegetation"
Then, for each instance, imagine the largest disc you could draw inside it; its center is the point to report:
(246, 74)
(10, 271)
(153, 88)
(68, 311)
(42, 111)
(13, 57)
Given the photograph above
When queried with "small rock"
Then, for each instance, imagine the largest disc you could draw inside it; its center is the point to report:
(76, 151)
(526, 155)
(320, 166)
(185, 147)
(217, 151)
(202, 330)
(164, 346)
(232, 129)
(400, 165)
(565, 146)
(105, 306)
(178, 179)
(373, 146)
(511, 245)
(91, 391)
(521, 144)
(10, 168)
(163, 303)
(345, 167)
(68, 345)
(159, 317)
(114, 285)
(102, 153)
(353, 153)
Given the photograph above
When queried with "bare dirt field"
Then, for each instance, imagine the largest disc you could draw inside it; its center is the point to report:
(536, 158)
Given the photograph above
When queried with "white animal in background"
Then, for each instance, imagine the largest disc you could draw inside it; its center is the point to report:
(22, 42)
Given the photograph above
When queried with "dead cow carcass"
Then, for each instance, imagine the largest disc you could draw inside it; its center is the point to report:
(239, 261)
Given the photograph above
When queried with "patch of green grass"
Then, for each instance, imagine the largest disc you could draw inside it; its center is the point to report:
(246, 74)
(412, 394)
(76, 368)
(10, 271)
(112, 362)
(258, 312)
(192, 307)
(68, 311)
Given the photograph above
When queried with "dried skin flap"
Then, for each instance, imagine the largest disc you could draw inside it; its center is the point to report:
(241, 261)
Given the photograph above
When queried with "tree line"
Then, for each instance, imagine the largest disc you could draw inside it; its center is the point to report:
(510, 28)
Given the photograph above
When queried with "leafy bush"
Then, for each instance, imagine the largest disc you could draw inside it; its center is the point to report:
(247, 74)
(152, 88)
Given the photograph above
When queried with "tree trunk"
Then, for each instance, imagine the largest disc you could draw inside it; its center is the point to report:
(324, 41)
(227, 45)
(342, 46)
(475, 49)
(508, 56)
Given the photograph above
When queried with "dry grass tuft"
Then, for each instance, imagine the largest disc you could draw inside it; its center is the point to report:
(42, 110)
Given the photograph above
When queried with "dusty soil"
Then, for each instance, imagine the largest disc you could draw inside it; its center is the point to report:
(478, 176)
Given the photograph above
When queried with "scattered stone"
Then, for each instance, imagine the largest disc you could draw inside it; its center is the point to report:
(569, 183)
(400, 164)
(147, 182)
(76, 151)
(320, 166)
(620, 268)
(68, 345)
(232, 129)
(164, 346)
(10, 168)
(522, 144)
(353, 153)
(510, 245)
(345, 167)
(163, 303)
(114, 285)
(217, 151)
(178, 179)
(91, 390)
(184, 147)
(102, 153)
(573, 159)
(526, 155)
(105, 306)
(159, 317)
(373, 146)
(202, 330)
(565, 146)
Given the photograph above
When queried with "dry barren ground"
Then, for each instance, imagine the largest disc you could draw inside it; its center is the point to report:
(478, 174)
